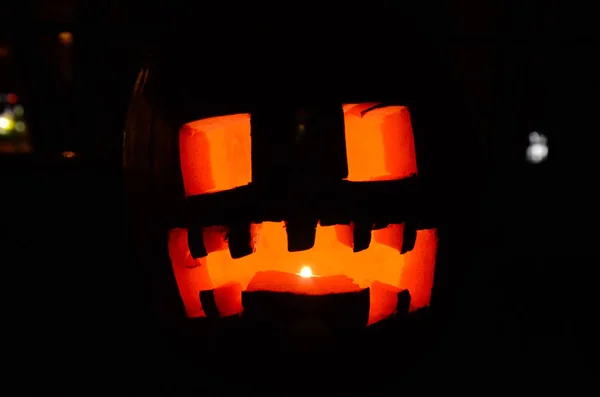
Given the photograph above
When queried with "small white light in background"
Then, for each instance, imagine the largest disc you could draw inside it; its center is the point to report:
(537, 151)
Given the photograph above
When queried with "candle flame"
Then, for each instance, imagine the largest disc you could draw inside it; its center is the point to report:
(306, 272)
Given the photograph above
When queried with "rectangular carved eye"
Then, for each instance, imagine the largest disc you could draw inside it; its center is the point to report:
(216, 154)
(379, 142)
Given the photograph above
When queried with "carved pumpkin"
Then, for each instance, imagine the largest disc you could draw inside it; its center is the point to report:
(216, 159)
(246, 192)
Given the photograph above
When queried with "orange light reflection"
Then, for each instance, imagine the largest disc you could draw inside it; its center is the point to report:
(379, 144)
(215, 154)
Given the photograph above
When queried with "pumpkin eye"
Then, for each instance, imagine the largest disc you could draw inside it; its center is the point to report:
(215, 154)
(379, 142)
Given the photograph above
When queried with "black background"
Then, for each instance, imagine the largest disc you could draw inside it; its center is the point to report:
(523, 308)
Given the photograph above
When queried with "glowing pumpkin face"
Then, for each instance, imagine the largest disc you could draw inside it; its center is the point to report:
(230, 245)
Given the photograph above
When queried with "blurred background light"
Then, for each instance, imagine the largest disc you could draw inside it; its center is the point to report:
(18, 111)
(537, 151)
(65, 38)
(69, 155)
(6, 124)
(20, 126)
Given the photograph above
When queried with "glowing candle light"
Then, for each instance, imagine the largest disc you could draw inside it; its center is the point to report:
(306, 272)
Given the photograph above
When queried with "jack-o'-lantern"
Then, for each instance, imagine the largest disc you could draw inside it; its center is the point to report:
(247, 185)
(334, 223)
(303, 179)
(324, 235)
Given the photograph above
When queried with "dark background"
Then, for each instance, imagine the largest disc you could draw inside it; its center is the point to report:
(523, 310)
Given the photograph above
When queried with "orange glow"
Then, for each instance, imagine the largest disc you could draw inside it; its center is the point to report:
(68, 155)
(191, 274)
(331, 259)
(384, 299)
(215, 154)
(228, 299)
(419, 264)
(379, 143)
(65, 38)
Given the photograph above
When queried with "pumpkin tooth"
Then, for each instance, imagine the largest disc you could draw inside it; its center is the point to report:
(223, 301)
(409, 235)
(196, 242)
(239, 237)
(207, 300)
(403, 305)
(301, 235)
(361, 233)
